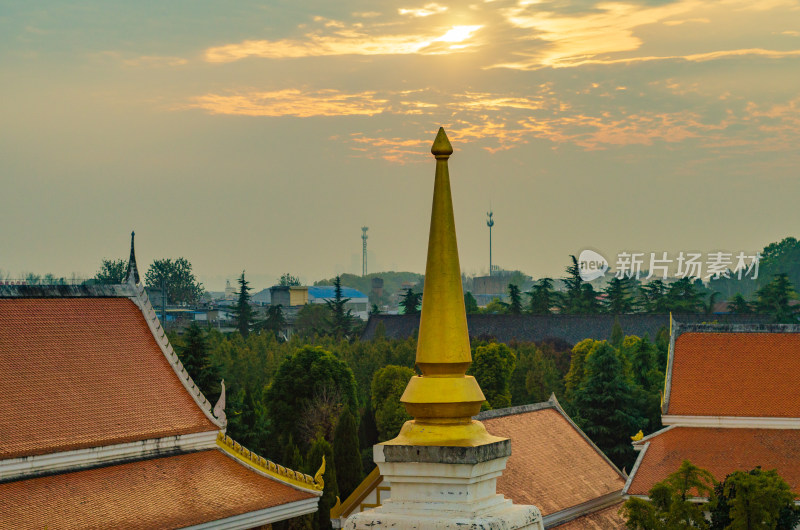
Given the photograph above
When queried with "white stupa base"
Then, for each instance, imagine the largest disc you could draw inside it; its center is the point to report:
(445, 487)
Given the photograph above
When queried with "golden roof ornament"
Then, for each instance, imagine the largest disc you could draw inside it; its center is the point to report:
(443, 399)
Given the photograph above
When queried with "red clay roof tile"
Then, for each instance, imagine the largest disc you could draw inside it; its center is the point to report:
(85, 372)
(720, 451)
(551, 465)
(736, 374)
(171, 492)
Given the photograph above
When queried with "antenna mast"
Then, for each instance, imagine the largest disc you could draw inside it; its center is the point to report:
(364, 250)
(490, 224)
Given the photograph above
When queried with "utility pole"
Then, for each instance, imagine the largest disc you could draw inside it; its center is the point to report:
(364, 250)
(490, 224)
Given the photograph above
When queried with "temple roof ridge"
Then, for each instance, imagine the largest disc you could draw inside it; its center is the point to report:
(269, 468)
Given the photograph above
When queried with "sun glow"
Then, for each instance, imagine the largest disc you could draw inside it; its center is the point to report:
(458, 34)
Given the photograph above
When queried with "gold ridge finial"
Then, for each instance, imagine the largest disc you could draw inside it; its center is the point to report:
(443, 399)
(441, 145)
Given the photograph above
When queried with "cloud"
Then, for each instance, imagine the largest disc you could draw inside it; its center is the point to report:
(148, 61)
(425, 11)
(290, 102)
(346, 41)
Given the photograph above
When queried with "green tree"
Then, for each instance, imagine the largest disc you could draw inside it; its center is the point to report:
(470, 304)
(492, 366)
(739, 306)
(112, 271)
(535, 376)
(292, 458)
(309, 377)
(388, 385)
(195, 355)
(684, 296)
(572, 298)
(542, 297)
(514, 300)
(577, 366)
(617, 335)
(495, 307)
(181, 285)
(346, 454)
(341, 319)
(319, 449)
(754, 499)
(654, 297)
(410, 303)
(619, 299)
(242, 311)
(287, 280)
(775, 297)
(275, 322)
(312, 319)
(580, 297)
(670, 507)
(605, 407)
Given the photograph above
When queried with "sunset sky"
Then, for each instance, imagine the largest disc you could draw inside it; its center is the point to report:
(263, 135)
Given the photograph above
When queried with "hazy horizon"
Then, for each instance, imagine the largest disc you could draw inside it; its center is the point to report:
(262, 137)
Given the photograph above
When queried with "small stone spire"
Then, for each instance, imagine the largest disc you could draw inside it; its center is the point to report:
(443, 399)
(132, 274)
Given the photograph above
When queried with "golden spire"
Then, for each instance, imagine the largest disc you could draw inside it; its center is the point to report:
(443, 399)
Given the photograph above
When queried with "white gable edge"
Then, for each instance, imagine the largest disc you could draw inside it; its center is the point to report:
(261, 517)
(142, 301)
(18, 468)
(731, 422)
(579, 510)
(642, 451)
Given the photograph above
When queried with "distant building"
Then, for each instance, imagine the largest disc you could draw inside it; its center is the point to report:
(288, 296)
(262, 297)
(230, 292)
(358, 303)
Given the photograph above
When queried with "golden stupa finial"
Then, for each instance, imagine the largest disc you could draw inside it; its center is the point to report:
(443, 399)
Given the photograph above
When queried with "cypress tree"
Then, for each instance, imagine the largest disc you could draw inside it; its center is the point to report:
(341, 319)
(410, 302)
(319, 449)
(242, 311)
(617, 336)
(514, 300)
(196, 358)
(604, 402)
(346, 454)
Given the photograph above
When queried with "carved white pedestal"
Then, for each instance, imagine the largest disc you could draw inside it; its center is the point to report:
(445, 487)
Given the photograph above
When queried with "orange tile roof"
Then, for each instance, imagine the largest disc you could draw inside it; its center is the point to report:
(551, 465)
(171, 492)
(605, 519)
(85, 372)
(736, 374)
(720, 451)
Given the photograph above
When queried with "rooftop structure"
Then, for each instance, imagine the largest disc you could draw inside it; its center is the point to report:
(553, 465)
(101, 425)
(731, 402)
(443, 465)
